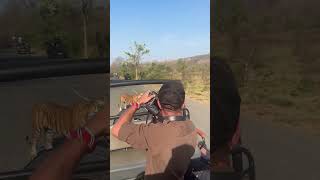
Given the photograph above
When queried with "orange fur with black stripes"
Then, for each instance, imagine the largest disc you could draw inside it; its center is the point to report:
(127, 99)
(53, 120)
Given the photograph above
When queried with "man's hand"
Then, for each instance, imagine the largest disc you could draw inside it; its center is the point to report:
(200, 133)
(146, 97)
(61, 163)
(100, 123)
(129, 113)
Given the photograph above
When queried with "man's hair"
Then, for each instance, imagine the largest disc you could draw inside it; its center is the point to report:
(172, 95)
(225, 102)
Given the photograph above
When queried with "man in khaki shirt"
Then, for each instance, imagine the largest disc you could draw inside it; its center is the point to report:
(169, 145)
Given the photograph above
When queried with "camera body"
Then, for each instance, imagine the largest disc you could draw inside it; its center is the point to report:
(154, 110)
(152, 105)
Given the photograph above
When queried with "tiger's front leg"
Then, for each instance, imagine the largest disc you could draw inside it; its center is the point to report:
(34, 142)
(120, 108)
(49, 135)
(125, 105)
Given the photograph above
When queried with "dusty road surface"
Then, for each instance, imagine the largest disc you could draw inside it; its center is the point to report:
(281, 152)
(16, 100)
(124, 164)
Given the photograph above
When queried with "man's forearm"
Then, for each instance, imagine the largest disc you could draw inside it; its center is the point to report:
(60, 164)
(124, 118)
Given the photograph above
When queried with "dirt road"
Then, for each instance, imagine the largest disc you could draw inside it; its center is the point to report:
(282, 152)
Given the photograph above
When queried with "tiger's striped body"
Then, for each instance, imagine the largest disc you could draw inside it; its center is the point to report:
(54, 120)
(126, 99)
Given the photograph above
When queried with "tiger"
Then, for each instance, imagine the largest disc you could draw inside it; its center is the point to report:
(126, 100)
(54, 120)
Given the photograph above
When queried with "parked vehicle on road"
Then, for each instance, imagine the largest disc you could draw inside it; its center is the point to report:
(23, 48)
(56, 49)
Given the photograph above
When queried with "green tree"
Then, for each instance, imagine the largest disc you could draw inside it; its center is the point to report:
(181, 67)
(86, 5)
(126, 69)
(135, 56)
(155, 71)
(48, 12)
(116, 64)
(38, 21)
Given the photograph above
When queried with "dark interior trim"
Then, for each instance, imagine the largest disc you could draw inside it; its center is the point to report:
(119, 83)
(84, 169)
(45, 69)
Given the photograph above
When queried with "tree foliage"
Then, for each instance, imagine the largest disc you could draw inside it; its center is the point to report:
(135, 55)
(155, 71)
(181, 68)
(38, 21)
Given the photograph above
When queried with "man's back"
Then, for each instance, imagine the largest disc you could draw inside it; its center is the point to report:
(172, 144)
(169, 147)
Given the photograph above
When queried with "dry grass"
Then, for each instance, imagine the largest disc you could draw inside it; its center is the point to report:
(290, 116)
(282, 87)
(198, 91)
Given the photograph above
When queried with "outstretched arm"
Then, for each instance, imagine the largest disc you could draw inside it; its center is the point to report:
(60, 164)
(129, 113)
(200, 133)
(124, 118)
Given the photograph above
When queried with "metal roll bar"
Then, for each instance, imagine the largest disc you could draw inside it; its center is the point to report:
(136, 114)
(52, 69)
(32, 61)
(119, 83)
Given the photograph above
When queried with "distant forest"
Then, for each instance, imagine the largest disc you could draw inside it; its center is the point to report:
(273, 48)
(194, 72)
(39, 21)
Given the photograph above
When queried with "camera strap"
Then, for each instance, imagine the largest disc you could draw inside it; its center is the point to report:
(185, 116)
(172, 118)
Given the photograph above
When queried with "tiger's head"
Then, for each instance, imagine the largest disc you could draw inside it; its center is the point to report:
(94, 106)
(86, 110)
(126, 99)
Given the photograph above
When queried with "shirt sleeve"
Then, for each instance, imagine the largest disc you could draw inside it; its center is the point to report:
(134, 134)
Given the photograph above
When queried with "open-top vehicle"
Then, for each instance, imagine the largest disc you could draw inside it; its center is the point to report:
(126, 163)
(243, 168)
(56, 49)
(123, 166)
(130, 89)
(23, 48)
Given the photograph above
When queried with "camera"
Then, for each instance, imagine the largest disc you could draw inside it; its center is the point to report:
(152, 105)
(153, 108)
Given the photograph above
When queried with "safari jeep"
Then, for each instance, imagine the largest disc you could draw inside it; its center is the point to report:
(119, 88)
(122, 161)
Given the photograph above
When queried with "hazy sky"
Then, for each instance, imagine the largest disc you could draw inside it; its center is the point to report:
(170, 28)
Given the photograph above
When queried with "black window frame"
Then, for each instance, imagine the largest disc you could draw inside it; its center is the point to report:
(37, 68)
